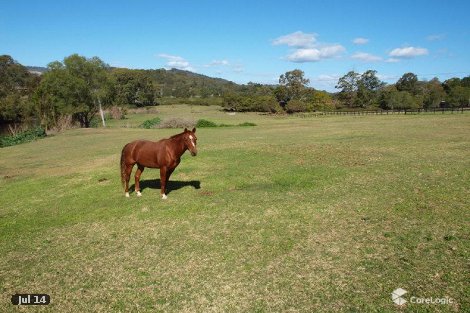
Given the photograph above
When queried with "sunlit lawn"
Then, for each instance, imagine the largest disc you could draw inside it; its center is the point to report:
(312, 214)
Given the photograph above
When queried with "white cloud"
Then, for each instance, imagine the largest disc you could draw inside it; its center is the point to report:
(306, 48)
(304, 55)
(315, 54)
(174, 61)
(297, 39)
(366, 57)
(392, 60)
(360, 41)
(408, 52)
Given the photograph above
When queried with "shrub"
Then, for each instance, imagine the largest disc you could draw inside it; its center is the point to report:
(253, 103)
(176, 123)
(64, 122)
(205, 123)
(295, 106)
(117, 113)
(22, 137)
(192, 101)
(150, 123)
(95, 121)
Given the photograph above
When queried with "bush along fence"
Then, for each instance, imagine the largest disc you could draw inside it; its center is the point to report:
(396, 111)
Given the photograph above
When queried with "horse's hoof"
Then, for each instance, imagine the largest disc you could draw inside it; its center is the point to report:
(139, 194)
(164, 197)
(127, 195)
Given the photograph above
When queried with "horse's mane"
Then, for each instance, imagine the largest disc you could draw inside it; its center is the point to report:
(177, 135)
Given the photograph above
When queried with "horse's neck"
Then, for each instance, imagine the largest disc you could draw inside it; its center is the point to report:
(179, 144)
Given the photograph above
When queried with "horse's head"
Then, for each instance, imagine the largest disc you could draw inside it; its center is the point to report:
(190, 140)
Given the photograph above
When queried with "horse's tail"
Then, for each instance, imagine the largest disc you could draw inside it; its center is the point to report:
(123, 166)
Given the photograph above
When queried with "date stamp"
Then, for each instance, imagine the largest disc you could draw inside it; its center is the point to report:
(30, 299)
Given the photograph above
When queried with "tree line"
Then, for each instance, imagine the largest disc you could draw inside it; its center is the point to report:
(368, 91)
(78, 86)
(357, 92)
(75, 89)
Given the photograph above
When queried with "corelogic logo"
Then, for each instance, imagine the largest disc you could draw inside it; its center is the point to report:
(397, 296)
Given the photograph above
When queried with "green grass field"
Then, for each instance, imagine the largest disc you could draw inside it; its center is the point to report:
(296, 214)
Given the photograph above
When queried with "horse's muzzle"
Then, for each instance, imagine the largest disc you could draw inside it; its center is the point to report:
(194, 153)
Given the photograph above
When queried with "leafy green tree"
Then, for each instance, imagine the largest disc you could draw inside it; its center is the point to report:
(349, 86)
(135, 87)
(367, 89)
(465, 82)
(433, 93)
(294, 106)
(370, 81)
(359, 90)
(16, 88)
(77, 86)
(408, 82)
(292, 86)
(458, 91)
(321, 101)
(251, 102)
(459, 97)
(393, 99)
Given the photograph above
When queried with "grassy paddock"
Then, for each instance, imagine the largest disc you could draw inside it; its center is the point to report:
(315, 214)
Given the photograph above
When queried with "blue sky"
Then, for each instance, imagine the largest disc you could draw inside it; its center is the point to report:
(247, 40)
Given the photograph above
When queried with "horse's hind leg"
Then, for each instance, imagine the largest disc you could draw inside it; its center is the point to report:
(127, 177)
(138, 172)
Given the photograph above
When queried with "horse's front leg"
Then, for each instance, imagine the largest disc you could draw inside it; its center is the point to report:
(168, 174)
(163, 179)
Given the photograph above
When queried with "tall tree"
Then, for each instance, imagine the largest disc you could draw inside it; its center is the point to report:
(393, 99)
(76, 86)
(16, 87)
(292, 86)
(367, 89)
(433, 93)
(459, 97)
(348, 85)
(458, 91)
(408, 82)
(134, 87)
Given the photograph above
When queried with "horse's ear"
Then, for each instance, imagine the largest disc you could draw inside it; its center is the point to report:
(194, 129)
(185, 130)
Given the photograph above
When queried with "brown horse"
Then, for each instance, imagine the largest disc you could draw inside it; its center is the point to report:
(164, 154)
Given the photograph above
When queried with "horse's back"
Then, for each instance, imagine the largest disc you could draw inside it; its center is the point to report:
(143, 152)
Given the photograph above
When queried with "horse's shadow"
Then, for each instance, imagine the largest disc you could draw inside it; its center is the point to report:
(170, 186)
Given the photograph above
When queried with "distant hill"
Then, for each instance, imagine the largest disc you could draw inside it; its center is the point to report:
(175, 82)
(179, 83)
